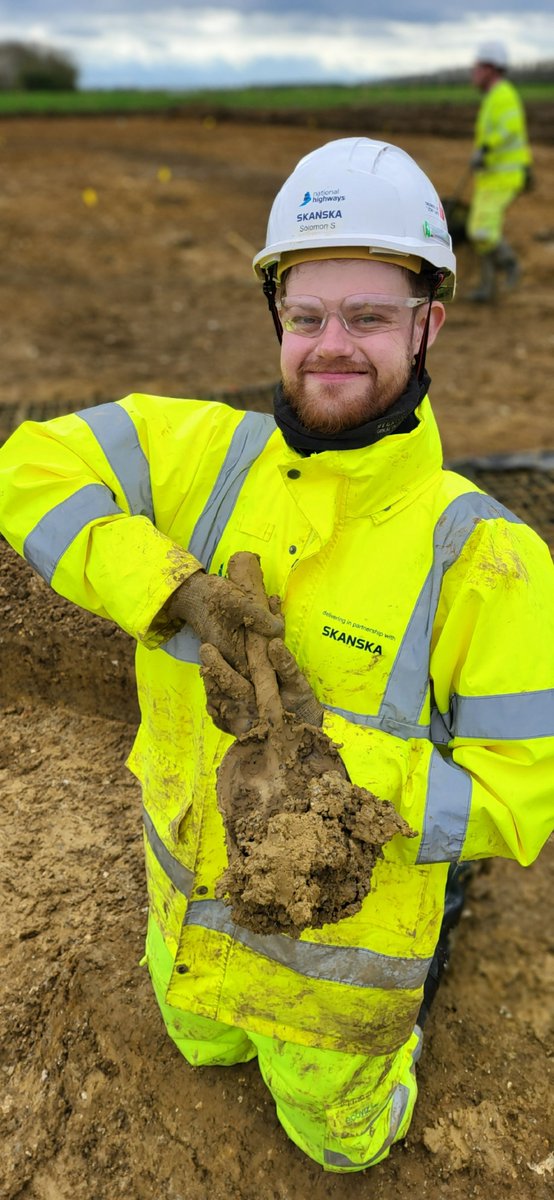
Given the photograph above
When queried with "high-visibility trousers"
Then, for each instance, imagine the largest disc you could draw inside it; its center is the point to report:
(487, 210)
(343, 1110)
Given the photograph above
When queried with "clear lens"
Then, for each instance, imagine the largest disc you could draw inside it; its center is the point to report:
(360, 315)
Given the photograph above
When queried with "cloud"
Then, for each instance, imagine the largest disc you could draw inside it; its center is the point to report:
(188, 44)
(413, 11)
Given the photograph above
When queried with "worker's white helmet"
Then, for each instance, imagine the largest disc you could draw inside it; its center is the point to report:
(358, 197)
(494, 54)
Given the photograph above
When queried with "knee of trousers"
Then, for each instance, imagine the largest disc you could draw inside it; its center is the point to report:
(345, 1112)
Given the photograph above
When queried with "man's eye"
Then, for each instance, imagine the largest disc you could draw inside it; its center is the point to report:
(304, 321)
(363, 320)
(369, 320)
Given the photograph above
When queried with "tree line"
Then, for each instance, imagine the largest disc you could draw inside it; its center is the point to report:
(28, 68)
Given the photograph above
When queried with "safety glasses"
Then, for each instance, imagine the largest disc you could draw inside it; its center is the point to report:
(360, 315)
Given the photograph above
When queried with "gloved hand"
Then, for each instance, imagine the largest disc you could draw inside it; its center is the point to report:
(296, 694)
(477, 160)
(230, 698)
(219, 611)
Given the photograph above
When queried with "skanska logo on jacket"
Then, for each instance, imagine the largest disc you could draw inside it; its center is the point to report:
(349, 639)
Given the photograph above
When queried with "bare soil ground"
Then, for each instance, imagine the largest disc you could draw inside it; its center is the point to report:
(149, 288)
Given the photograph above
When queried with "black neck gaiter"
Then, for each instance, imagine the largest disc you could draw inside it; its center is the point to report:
(400, 418)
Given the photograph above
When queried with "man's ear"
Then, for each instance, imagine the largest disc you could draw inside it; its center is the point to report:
(438, 317)
(436, 321)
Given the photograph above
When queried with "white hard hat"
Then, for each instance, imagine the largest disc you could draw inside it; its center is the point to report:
(494, 53)
(362, 194)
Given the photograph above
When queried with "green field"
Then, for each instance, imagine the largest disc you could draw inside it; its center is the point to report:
(271, 98)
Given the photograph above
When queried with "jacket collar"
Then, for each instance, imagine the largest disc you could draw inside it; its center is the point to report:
(376, 479)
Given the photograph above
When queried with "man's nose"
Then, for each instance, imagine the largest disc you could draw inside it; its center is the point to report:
(334, 339)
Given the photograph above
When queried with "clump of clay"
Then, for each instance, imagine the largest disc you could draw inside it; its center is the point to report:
(302, 840)
(310, 864)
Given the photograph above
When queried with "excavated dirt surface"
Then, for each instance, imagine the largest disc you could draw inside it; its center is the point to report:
(149, 288)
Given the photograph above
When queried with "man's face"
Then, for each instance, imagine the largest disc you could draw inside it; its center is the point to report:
(338, 380)
(482, 76)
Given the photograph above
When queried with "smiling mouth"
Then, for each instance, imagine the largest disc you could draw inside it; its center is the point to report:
(333, 371)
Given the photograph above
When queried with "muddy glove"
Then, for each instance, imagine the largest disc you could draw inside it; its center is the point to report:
(230, 699)
(218, 611)
(296, 694)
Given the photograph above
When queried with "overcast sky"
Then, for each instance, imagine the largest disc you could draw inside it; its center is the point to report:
(210, 43)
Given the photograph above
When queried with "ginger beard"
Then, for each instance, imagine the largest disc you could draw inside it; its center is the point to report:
(356, 393)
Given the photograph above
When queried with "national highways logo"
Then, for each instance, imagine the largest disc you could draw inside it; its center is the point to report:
(330, 196)
(328, 210)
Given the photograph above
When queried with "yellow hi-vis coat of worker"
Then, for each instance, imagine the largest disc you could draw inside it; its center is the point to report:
(421, 612)
(501, 130)
(501, 135)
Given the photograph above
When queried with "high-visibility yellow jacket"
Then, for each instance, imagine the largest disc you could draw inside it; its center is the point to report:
(501, 128)
(422, 613)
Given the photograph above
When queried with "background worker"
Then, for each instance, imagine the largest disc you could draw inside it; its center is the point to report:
(501, 162)
(444, 706)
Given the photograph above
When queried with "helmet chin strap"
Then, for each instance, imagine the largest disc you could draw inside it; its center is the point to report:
(420, 358)
(269, 289)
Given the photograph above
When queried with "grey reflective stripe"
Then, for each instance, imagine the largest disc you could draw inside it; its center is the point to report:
(401, 729)
(180, 876)
(439, 731)
(400, 1098)
(116, 434)
(418, 1046)
(449, 787)
(184, 645)
(447, 808)
(337, 964)
(51, 536)
(508, 717)
(247, 442)
(512, 141)
(504, 168)
(406, 689)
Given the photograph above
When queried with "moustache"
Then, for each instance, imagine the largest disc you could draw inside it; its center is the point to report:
(334, 368)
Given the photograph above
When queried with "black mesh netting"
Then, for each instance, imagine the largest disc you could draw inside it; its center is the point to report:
(523, 482)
